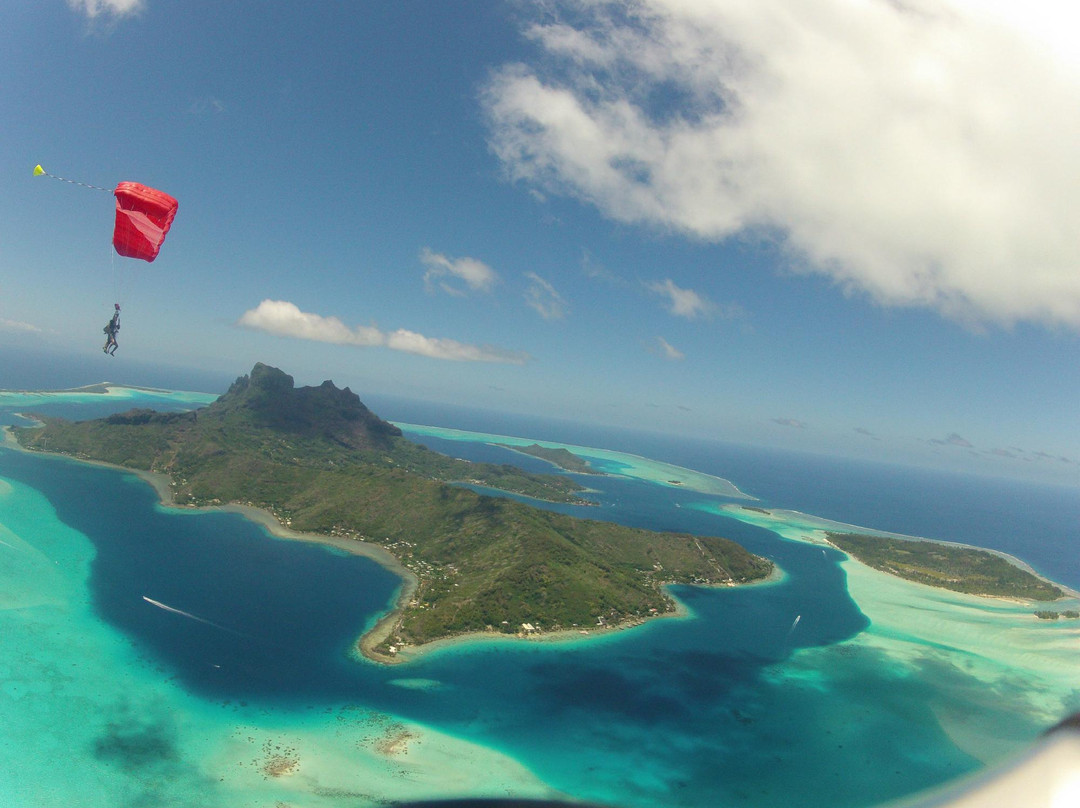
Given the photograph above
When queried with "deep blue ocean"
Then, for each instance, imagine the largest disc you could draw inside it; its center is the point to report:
(692, 712)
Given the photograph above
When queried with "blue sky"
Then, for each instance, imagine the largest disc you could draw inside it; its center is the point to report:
(830, 226)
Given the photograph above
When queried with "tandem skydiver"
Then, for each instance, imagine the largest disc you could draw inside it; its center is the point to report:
(110, 331)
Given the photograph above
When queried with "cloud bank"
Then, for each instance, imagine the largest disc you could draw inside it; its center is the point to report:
(923, 153)
(285, 319)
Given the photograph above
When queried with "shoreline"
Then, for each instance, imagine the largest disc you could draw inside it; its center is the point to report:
(1067, 592)
(827, 525)
(364, 647)
(162, 485)
(409, 653)
(522, 451)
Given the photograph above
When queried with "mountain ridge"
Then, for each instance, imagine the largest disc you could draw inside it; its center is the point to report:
(271, 396)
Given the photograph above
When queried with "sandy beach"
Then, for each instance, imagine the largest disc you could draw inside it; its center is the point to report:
(411, 653)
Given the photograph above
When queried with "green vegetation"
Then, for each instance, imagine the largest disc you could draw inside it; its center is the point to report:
(319, 460)
(1068, 614)
(315, 428)
(961, 569)
(563, 458)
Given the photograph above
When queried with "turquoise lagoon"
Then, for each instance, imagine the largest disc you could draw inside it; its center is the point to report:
(155, 656)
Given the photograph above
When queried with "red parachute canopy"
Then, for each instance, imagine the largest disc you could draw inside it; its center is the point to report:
(143, 217)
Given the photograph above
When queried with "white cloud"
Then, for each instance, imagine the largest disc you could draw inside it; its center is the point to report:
(451, 273)
(922, 152)
(18, 325)
(542, 296)
(116, 8)
(411, 342)
(682, 302)
(285, 319)
(665, 349)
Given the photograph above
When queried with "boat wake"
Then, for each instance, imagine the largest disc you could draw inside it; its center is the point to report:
(166, 607)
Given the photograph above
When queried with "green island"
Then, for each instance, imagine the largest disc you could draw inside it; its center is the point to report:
(1049, 614)
(948, 566)
(563, 458)
(323, 463)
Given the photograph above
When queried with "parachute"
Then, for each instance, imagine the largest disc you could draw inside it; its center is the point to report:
(143, 216)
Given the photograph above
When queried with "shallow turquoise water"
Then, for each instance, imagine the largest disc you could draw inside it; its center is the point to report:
(736, 705)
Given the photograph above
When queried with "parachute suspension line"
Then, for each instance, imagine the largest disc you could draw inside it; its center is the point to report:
(120, 276)
(117, 277)
(41, 172)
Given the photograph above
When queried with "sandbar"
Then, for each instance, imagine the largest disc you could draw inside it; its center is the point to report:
(102, 390)
(998, 641)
